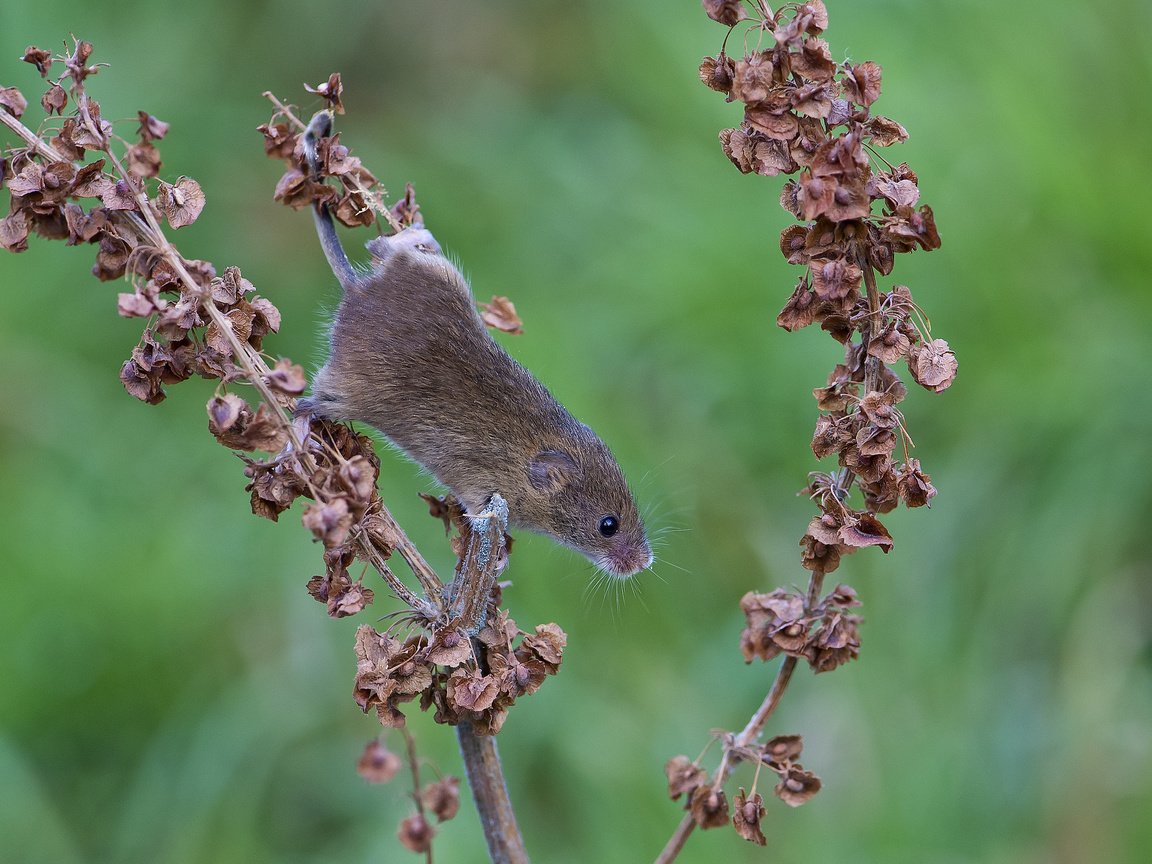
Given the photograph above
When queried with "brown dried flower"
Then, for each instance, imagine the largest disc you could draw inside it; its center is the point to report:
(501, 315)
(709, 807)
(684, 776)
(746, 815)
(442, 798)
(416, 833)
(796, 786)
(377, 763)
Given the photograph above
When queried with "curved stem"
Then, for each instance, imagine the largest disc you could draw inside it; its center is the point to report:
(748, 734)
(486, 777)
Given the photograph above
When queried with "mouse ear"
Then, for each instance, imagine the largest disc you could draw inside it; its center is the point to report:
(551, 470)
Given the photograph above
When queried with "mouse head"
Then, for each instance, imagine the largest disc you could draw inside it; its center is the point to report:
(584, 502)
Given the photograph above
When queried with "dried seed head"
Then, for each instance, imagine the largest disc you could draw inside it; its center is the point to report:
(416, 833)
(442, 798)
(709, 807)
(746, 816)
(796, 786)
(377, 763)
(684, 776)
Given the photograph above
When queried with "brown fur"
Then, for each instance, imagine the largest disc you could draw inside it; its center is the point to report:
(411, 357)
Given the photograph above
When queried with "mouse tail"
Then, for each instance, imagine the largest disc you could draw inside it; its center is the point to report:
(321, 127)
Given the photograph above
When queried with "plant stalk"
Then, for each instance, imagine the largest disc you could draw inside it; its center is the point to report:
(486, 777)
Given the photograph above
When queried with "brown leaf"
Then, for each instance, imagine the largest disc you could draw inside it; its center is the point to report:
(91, 182)
(13, 101)
(91, 132)
(63, 142)
(547, 644)
(884, 132)
(330, 522)
(746, 817)
(120, 196)
(471, 690)
(865, 530)
(225, 412)
(815, 555)
(501, 315)
(796, 786)
(267, 317)
(449, 646)
(151, 129)
(134, 306)
(814, 61)
(727, 12)
(279, 140)
(287, 378)
(144, 160)
(516, 676)
(684, 776)
(415, 832)
(783, 749)
(709, 807)
(377, 763)
(54, 100)
(716, 72)
(353, 210)
(14, 232)
(914, 485)
(181, 202)
(862, 83)
(331, 90)
(39, 58)
(239, 319)
(933, 365)
(442, 798)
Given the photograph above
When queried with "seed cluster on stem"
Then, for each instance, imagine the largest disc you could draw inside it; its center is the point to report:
(75, 179)
(804, 114)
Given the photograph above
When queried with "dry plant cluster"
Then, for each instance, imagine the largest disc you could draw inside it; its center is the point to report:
(808, 115)
(73, 178)
(451, 647)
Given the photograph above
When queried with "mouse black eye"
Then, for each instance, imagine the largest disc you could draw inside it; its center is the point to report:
(609, 525)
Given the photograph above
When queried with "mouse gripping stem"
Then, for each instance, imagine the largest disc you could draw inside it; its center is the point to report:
(470, 593)
(321, 127)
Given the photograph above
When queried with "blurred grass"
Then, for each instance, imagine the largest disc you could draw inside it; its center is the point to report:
(168, 692)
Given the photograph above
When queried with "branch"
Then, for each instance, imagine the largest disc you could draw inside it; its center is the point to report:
(750, 733)
(486, 777)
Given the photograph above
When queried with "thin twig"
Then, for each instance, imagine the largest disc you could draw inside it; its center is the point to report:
(751, 731)
(414, 767)
(486, 777)
(34, 143)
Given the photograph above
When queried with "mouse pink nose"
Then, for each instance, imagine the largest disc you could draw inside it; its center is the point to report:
(626, 561)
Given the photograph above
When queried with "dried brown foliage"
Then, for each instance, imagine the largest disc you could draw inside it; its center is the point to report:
(806, 115)
(80, 182)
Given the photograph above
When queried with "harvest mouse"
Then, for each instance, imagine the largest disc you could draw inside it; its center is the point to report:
(410, 356)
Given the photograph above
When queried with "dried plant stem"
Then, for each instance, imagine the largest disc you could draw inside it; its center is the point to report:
(747, 735)
(414, 767)
(871, 364)
(470, 595)
(470, 598)
(486, 777)
(29, 137)
(421, 569)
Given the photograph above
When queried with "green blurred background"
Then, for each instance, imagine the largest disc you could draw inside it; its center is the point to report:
(169, 692)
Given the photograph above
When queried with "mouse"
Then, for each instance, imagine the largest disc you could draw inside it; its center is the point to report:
(410, 356)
